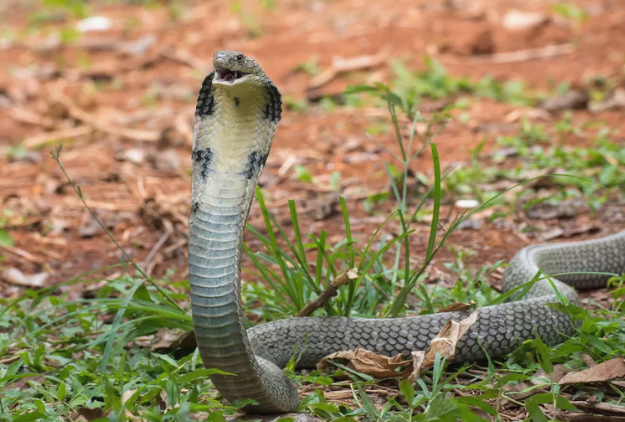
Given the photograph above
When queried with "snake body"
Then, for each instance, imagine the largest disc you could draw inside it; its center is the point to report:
(237, 115)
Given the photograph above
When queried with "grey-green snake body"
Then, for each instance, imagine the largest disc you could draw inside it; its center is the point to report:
(237, 115)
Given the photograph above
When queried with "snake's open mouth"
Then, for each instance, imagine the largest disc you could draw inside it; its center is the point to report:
(228, 76)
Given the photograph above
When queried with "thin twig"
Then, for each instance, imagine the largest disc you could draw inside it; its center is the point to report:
(351, 64)
(178, 245)
(514, 56)
(57, 157)
(148, 261)
(23, 115)
(106, 127)
(23, 254)
(328, 293)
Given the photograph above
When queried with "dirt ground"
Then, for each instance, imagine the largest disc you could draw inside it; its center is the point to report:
(122, 99)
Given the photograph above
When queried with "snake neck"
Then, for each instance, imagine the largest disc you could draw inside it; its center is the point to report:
(225, 172)
(232, 137)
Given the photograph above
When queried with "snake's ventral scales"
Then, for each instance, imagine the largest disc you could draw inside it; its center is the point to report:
(237, 114)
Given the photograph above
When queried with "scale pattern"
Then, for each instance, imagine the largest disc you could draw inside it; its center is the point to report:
(234, 129)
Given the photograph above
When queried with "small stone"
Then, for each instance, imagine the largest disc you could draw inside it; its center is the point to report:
(518, 20)
(94, 23)
(467, 203)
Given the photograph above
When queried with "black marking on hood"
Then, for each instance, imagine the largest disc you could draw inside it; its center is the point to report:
(255, 163)
(202, 159)
(205, 100)
(194, 207)
(237, 101)
(273, 103)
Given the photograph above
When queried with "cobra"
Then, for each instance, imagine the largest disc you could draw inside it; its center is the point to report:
(236, 118)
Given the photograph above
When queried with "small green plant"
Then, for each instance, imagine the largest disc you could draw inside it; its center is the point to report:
(150, 98)
(78, 8)
(471, 284)
(175, 10)
(572, 12)
(7, 218)
(529, 134)
(575, 15)
(303, 174)
(131, 24)
(249, 19)
(410, 88)
(270, 5)
(599, 166)
(295, 104)
(69, 35)
(328, 104)
(311, 66)
(6, 239)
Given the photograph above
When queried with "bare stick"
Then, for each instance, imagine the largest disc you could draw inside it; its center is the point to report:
(514, 56)
(106, 127)
(23, 254)
(348, 65)
(21, 114)
(328, 293)
(149, 261)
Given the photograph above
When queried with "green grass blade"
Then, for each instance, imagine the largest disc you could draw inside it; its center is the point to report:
(437, 200)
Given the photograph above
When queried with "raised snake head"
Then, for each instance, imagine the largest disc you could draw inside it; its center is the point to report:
(233, 68)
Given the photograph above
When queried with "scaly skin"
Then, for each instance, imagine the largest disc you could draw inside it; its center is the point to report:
(234, 129)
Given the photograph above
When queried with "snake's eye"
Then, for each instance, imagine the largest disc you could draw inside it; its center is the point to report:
(240, 58)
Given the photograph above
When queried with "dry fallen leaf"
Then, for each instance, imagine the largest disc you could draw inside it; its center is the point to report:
(168, 340)
(83, 414)
(380, 366)
(595, 418)
(606, 371)
(599, 407)
(458, 307)
(444, 343)
(18, 278)
(125, 397)
(368, 362)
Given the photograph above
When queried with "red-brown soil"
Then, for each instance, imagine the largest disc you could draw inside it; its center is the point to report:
(156, 91)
